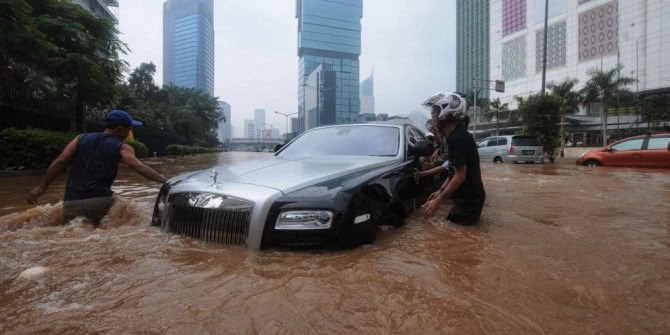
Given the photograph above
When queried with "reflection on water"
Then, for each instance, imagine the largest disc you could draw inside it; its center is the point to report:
(561, 249)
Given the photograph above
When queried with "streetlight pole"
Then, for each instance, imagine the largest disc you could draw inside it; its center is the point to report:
(286, 116)
(544, 47)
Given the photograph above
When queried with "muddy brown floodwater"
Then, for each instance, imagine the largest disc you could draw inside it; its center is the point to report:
(561, 250)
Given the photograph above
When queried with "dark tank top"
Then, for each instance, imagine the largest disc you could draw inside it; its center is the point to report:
(94, 166)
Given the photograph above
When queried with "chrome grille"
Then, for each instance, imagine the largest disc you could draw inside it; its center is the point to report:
(227, 223)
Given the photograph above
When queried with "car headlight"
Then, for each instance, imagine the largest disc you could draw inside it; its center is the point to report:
(304, 220)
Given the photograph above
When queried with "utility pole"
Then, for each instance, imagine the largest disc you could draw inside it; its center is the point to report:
(474, 109)
(544, 47)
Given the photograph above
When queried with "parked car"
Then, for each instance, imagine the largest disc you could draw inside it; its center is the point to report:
(638, 151)
(332, 185)
(510, 148)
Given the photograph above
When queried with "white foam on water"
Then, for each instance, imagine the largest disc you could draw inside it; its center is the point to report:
(33, 272)
(61, 306)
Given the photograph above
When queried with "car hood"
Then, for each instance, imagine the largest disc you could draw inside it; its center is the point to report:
(288, 174)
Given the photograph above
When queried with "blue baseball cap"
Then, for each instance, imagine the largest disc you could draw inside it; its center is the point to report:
(121, 118)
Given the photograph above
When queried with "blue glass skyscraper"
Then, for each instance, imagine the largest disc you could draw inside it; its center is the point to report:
(188, 44)
(329, 33)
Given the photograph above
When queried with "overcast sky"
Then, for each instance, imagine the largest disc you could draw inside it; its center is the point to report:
(410, 43)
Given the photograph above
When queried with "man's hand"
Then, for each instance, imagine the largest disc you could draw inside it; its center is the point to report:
(34, 194)
(431, 206)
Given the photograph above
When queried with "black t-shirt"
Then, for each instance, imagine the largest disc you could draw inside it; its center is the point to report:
(463, 151)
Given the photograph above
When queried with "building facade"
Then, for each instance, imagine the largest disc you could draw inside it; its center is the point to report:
(250, 129)
(582, 35)
(259, 119)
(472, 46)
(188, 44)
(368, 95)
(329, 33)
(225, 127)
(103, 8)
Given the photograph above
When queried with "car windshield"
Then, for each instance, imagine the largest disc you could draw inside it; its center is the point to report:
(346, 141)
(526, 141)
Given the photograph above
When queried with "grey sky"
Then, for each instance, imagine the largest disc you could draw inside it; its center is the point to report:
(410, 43)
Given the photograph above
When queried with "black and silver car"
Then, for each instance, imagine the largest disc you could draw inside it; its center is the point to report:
(332, 185)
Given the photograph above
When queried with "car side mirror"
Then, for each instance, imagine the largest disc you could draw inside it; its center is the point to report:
(421, 148)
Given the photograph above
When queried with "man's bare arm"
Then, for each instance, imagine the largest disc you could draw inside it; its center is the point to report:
(56, 168)
(128, 157)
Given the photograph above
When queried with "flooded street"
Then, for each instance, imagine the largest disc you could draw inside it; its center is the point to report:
(561, 249)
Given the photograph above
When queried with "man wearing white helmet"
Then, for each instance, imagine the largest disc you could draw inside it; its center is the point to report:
(465, 187)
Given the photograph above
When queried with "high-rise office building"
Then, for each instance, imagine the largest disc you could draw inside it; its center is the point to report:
(472, 46)
(329, 33)
(103, 8)
(225, 128)
(188, 44)
(250, 129)
(259, 118)
(368, 95)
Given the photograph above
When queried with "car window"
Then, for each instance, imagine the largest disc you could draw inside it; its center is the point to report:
(656, 143)
(482, 144)
(635, 144)
(346, 141)
(502, 141)
(526, 141)
(492, 142)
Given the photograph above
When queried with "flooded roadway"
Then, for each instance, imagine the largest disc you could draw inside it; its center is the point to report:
(561, 249)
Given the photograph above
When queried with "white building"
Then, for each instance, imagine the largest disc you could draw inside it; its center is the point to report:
(225, 128)
(104, 8)
(582, 35)
(250, 129)
(259, 118)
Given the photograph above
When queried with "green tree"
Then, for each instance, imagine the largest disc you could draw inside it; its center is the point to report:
(655, 109)
(498, 108)
(62, 50)
(570, 98)
(541, 115)
(607, 87)
(141, 82)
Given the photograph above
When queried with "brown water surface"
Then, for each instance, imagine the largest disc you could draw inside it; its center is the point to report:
(561, 249)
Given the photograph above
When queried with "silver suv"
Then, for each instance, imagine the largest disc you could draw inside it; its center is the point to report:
(511, 148)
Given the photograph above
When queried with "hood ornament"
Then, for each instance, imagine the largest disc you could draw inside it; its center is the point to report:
(214, 176)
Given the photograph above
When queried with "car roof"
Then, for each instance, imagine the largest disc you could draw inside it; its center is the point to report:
(645, 136)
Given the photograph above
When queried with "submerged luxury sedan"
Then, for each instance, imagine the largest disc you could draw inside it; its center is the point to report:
(331, 186)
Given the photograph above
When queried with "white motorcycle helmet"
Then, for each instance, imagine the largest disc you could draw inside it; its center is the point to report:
(452, 105)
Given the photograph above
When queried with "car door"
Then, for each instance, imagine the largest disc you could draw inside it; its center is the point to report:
(483, 149)
(625, 153)
(657, 153)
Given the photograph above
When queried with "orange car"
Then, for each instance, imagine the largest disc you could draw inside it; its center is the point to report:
(638, 151)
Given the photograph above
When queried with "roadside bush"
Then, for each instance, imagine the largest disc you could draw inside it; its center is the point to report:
(541, 112)
(31, 148)
(178, 149)
(141, 149)
(22, 149)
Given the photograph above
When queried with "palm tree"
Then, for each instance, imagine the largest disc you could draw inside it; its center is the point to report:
(606, 87)
(570, 100)
(497, 107)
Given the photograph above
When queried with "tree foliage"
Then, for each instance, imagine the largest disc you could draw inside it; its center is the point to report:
(541, 115)
(607, 87)
(59, 50)
(189, 112)
(655, 109)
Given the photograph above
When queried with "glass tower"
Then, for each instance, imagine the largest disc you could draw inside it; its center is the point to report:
(472, 45)
(188, 44)
(329, 34)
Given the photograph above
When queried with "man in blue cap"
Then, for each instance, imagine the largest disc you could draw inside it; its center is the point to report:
(95, 160)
